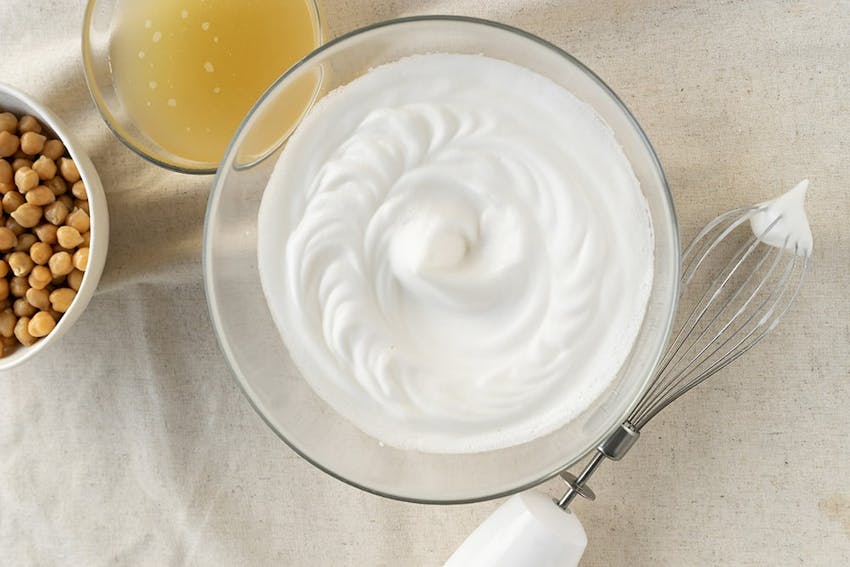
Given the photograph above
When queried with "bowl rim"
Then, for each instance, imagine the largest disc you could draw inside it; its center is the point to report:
(99, 216)
(216, 188)
(203, 168)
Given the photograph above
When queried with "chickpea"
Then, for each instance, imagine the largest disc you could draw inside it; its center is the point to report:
(78, 219)
(4, 289)
(58, 185)
(22, 308)
(18, 286)
(7, 323)
(32, 142)
(62, 298)
(27, 215)
(60, 264)
(68, 169)
(82, 205)
(21, 263)
(6, 172)
(79, 191)
(75, 280)
(40, 252)
(40, 277)
(53, 149)
(56, 213)
(41, 324)
(40, 196)
(25, 242)
(8, 122)
(4, 269)
(68, 236)
(45, 168)
(27, 123)
(38, 298)
(12, 200)
(20, 162)
(6, 187)
(25, 179)
(22, 332)
(86, 243)
(81, 259)
(13, 225)
(8, 239)
(66, 200)
(8, 144)
(36, 279)
(46, 233)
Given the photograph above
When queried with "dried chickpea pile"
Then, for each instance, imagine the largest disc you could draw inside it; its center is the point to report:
(44, 231)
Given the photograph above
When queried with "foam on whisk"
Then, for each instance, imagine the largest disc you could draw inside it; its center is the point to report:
(782, 222)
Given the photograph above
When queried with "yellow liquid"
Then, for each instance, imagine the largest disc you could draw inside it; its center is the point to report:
(188, 71)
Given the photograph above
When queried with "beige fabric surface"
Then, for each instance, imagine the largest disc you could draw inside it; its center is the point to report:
(129, 443)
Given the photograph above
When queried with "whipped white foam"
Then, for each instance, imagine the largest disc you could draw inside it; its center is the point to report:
(782, 222)
(456, 252)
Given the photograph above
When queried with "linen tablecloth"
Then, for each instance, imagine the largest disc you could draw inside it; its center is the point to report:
(129, 443)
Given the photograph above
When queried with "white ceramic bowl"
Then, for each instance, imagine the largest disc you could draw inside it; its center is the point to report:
(14, 101)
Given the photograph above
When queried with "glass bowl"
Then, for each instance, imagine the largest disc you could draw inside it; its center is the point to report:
(19, 103)
(257, 354)
(99, 25)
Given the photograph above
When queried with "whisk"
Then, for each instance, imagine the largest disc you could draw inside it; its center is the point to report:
(739, 276)
(734, 308)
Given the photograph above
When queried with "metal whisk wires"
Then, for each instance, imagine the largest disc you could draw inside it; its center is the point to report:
(735, 289)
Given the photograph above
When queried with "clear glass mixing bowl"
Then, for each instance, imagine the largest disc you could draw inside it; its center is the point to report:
(255, 350)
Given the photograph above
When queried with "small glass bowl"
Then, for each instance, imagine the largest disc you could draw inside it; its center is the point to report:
(98, 28)
(259, 357)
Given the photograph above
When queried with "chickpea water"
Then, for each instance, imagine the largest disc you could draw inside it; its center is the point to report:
(188, 72)
(45, 231)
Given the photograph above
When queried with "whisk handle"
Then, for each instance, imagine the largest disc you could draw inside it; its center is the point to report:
(528, 529)
(532, 529)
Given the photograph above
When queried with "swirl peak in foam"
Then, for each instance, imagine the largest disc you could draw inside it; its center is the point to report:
(456, 252)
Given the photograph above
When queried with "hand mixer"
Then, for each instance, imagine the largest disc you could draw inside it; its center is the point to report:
(739, 276)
